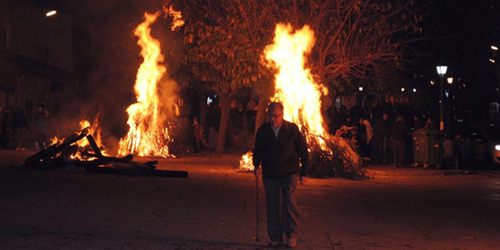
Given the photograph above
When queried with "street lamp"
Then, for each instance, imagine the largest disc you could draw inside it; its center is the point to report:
(449, 80)
(441, 72)
(50, 13)
(360, 88)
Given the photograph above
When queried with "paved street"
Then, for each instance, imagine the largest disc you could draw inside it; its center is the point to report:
(214, 208)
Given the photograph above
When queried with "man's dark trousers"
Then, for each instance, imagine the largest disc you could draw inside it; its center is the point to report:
(289, 219)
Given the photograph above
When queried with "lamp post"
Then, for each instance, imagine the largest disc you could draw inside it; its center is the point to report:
(441, 72)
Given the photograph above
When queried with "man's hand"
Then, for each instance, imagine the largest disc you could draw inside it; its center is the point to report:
(302, 180)
(257, 172)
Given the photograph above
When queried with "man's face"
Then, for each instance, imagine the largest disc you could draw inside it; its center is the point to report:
(276, 117)
(385, 117)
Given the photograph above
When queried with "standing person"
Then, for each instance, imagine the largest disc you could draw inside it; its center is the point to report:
(20, 126)
(10, 128)
(361, 138)
(3, 128)
(377, 142)
(281, 149)
(418, 122)
(41, 118)
(199, 135)
(366, 137)
(386, 125)
(399, 134)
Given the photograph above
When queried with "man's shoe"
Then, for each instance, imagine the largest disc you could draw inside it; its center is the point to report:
(276, 244)
(292, 242)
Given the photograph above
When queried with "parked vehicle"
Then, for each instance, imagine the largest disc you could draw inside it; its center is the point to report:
(479, 144)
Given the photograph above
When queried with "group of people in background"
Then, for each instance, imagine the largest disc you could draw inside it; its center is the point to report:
(14, 128)
(382, 133)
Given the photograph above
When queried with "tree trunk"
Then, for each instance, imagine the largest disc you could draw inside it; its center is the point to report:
(261, 113)
(225, 101)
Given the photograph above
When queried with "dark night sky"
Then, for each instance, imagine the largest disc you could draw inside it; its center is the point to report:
(462, 33)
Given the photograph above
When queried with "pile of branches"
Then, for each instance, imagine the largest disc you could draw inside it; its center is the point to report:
(338, 159)
(61, 156)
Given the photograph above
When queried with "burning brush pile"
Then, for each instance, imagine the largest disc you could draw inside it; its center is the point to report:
(148, 120)
(81, 151)
(295, 88)
(340, 160)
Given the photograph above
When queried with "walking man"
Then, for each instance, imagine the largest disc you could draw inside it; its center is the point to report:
(280, 149)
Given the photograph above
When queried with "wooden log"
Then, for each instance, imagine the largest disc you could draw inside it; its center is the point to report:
(94, 146)
(51, 152)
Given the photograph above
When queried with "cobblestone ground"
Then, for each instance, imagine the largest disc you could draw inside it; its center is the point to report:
(214, 208)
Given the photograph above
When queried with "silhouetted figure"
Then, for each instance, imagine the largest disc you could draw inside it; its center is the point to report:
(387, 145)
(3, 128)
(365, 134)
(199, 135)
(419, 123)
(399, 134)
(20, 127)
(41, 119)
(377, 142)
(335, 121)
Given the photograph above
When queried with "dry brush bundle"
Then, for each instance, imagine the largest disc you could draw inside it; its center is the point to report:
(339, 159)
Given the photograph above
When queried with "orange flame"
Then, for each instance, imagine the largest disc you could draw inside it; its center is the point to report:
(176, 15)
(148, 134)
(296, 88)
(55, 140)
(246, 163)
(94, 130)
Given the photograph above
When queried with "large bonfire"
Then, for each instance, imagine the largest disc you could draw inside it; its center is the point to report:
(301, 96)
(148, 131)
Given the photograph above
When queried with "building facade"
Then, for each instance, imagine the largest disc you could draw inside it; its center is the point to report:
(36, 61)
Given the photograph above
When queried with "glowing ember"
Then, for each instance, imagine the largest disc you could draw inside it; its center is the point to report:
(148, 134)
(295, 87)
(176, 15)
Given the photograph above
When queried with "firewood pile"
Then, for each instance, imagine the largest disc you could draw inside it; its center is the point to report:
(90, 159)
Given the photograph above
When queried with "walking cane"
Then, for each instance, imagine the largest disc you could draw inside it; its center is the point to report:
(257, 208)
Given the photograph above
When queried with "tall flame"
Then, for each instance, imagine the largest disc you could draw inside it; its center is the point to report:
(297, 90)
(148, 134)
(295, 87)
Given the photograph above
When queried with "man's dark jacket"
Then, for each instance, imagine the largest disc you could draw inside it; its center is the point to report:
(280, 156)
